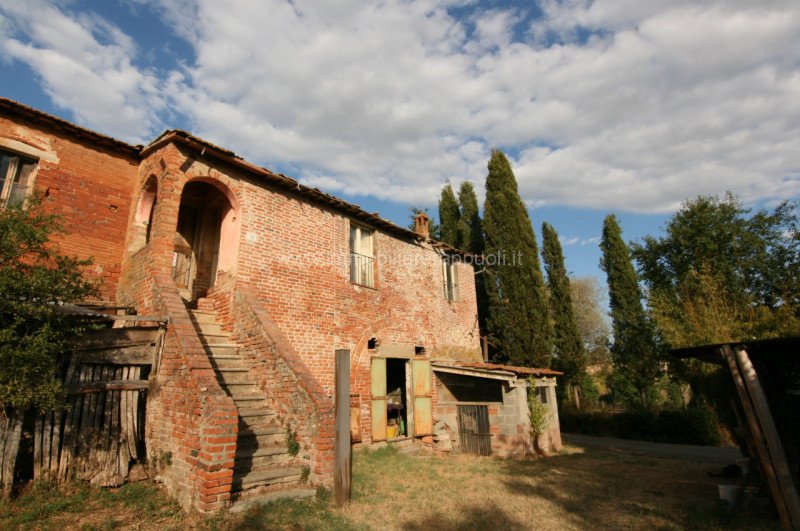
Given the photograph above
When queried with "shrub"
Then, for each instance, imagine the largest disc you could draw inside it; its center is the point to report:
(678, 426)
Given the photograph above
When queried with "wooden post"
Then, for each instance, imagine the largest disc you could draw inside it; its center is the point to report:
(757, 436)
(774, 445)
(341, 442)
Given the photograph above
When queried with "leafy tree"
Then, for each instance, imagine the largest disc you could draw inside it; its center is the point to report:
(719, 274)
(471, 231)
(634, 351)
(518, 313)
(587, 303)
(449, 217)
(570, 357)
(433, 228)
(34, 279)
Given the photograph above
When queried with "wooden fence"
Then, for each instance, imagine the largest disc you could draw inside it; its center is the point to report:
(101, 431)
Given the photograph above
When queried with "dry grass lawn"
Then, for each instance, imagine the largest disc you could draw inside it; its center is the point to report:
(575, 490)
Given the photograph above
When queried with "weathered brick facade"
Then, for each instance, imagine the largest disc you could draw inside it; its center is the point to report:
(275, 269)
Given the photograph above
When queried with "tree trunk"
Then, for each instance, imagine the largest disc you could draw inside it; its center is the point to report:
(576, 392)
(10, 431)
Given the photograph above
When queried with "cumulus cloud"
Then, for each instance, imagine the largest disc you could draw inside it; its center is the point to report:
(85, 66)
(611, 104)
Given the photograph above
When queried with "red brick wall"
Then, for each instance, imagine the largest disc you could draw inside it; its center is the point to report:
(292, 391)
(191, 424)
(91, 188)
(294, 256)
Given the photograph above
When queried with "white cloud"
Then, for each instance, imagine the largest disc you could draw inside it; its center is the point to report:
(85, 66)
(611, 104)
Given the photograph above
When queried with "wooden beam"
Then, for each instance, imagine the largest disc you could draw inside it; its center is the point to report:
(109, 385)
(102, 338)
(341, 441)
(774, 445)
(757, 435)
(130, 355)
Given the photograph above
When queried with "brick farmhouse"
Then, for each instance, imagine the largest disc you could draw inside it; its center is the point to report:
(261, 279)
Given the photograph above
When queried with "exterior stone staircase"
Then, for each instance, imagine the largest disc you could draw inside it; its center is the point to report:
(263, 462)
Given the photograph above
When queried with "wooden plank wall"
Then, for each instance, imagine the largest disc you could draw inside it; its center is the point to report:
(101, 432)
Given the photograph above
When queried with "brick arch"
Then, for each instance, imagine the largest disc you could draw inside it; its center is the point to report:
(141, 228)
(231, 223)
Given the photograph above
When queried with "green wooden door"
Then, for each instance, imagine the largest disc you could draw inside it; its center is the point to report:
(378, 384)
(423, 408)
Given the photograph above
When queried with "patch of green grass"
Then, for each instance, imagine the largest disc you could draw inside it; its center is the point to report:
(315, 513)
(142, 497)
(42, 500)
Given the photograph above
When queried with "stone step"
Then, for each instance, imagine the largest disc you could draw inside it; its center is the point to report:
(259, 463)
(247, 400)
(235, 375)
(203, 316)
(251, 452)
(243, 391)
(246, 414)
(293, 494)
(254, 436)
(215, 339)
(225, 362)
(210, 328)
(273, 476)
(227, 349)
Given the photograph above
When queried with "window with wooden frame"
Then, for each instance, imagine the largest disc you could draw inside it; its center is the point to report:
(450, 279)
(16, 174)
(362, 259)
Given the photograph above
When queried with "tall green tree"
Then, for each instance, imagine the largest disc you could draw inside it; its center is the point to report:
(570, 357)
(720, 274)
(518, 313)
(449, 217)
(634, 351)
(472, 241)
(34, 279)
(589, 302)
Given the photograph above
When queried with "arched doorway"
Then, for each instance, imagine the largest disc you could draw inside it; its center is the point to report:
(206, 238)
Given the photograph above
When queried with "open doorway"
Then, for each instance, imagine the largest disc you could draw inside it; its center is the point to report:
(207, 225)
(397, 385)
(401, 398)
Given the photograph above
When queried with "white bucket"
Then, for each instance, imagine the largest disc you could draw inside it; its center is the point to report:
(729, 493)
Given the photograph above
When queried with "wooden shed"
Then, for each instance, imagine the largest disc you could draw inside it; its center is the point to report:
(766, 375)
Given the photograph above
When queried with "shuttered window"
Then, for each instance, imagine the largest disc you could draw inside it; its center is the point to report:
(450, 280)
(362, 261)
(15, 177)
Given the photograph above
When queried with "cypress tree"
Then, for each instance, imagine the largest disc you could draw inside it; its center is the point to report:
(449, 216)
(570, 357)
(633, 352)
(518, 314)
(471, 235)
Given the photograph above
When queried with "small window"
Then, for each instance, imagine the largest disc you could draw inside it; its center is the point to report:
(450, 277)
(15, 177)
(541, 392)
(362, 261)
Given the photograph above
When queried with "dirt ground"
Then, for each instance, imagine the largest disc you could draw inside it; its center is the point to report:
(579, 489)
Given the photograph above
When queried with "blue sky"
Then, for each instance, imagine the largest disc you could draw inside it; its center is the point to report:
(602, 106)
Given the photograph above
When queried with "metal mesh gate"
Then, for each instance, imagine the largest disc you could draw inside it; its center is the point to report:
(473, 430)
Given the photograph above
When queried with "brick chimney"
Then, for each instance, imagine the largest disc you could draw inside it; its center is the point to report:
(422, 224)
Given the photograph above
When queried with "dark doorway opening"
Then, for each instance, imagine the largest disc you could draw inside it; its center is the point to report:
(396, 398)
(203, 210)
